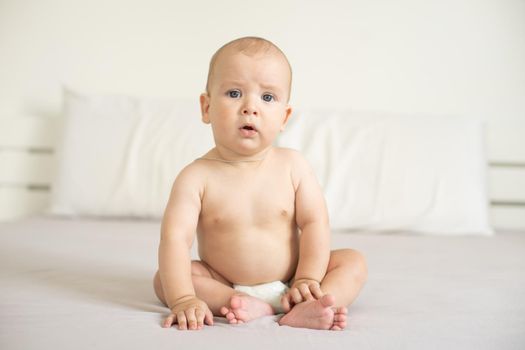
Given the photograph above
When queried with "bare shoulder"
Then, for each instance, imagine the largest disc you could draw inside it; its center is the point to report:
(299, 166)
(195, 169)
(192, 177)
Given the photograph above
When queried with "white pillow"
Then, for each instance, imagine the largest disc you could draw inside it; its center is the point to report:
(119, 155)
(395, 173)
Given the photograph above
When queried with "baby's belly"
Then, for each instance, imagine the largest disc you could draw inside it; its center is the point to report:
(250, 258)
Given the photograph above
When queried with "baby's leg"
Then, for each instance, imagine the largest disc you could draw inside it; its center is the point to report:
(345, 276)
(221, 298)
(224, 300)
(209, 286)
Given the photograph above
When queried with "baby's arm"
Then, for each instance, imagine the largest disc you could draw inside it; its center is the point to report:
(177, 233)
(314, 248)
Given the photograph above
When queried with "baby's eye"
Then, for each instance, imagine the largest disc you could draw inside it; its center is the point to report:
(268, 98)
(234, 93)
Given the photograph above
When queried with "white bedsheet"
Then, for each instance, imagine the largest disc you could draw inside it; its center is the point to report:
(86, 284)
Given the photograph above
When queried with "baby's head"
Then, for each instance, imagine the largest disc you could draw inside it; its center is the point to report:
(246, 98)
(249, 46)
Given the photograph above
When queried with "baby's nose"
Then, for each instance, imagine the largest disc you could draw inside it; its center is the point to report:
(249, 111)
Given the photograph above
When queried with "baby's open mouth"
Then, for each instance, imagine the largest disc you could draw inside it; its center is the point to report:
(248, 127)
(248, 130)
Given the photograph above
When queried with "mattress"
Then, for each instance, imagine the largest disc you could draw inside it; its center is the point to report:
(85, 284)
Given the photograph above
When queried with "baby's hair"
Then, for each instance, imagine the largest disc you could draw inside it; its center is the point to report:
(249, 45)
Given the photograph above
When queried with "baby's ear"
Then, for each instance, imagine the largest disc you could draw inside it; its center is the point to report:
(288, 113)
(205, 106)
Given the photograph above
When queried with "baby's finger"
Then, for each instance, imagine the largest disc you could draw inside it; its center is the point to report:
(316, 291)
(191, 318)
(181, 320)
(169, 321)
(285, 302)
(208, 318)
(296, 295)
(305, 291)
(199, 314)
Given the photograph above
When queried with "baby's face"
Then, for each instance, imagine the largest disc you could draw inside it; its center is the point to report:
(247, 102)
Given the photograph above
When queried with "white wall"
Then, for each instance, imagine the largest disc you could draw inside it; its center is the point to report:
(464, 57)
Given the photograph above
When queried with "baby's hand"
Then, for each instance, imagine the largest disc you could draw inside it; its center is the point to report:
(189, 312)
(301, 290)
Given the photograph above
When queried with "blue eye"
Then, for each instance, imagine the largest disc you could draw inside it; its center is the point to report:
(267, 98)
(234, 93)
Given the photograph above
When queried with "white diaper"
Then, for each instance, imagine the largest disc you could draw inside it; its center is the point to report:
(270, 292)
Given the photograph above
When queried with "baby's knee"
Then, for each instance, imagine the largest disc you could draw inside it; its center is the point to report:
(356, 262)
(359, 264)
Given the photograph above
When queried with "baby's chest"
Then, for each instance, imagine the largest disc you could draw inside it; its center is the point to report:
(249, 201)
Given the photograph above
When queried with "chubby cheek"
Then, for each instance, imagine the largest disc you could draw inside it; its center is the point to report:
(223, 111)
(219, 127)
(279, 124)
(221, 122)
(218, 113)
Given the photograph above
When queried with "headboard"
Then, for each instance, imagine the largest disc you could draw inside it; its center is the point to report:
(27, 163)
(506, 174)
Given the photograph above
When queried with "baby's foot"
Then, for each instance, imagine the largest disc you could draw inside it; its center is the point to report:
(244, 308)
(316, 314)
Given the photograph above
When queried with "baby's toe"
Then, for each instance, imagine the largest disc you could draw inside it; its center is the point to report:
(340, 324)
(339, 317)
(233, 320)
(224, 310)
(236, 302)
(341, 310)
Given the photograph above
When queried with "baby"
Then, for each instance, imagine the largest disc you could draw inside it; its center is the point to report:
(258, 211)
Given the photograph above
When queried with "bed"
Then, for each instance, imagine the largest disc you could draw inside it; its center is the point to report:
(78, 271)
(87, 284)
